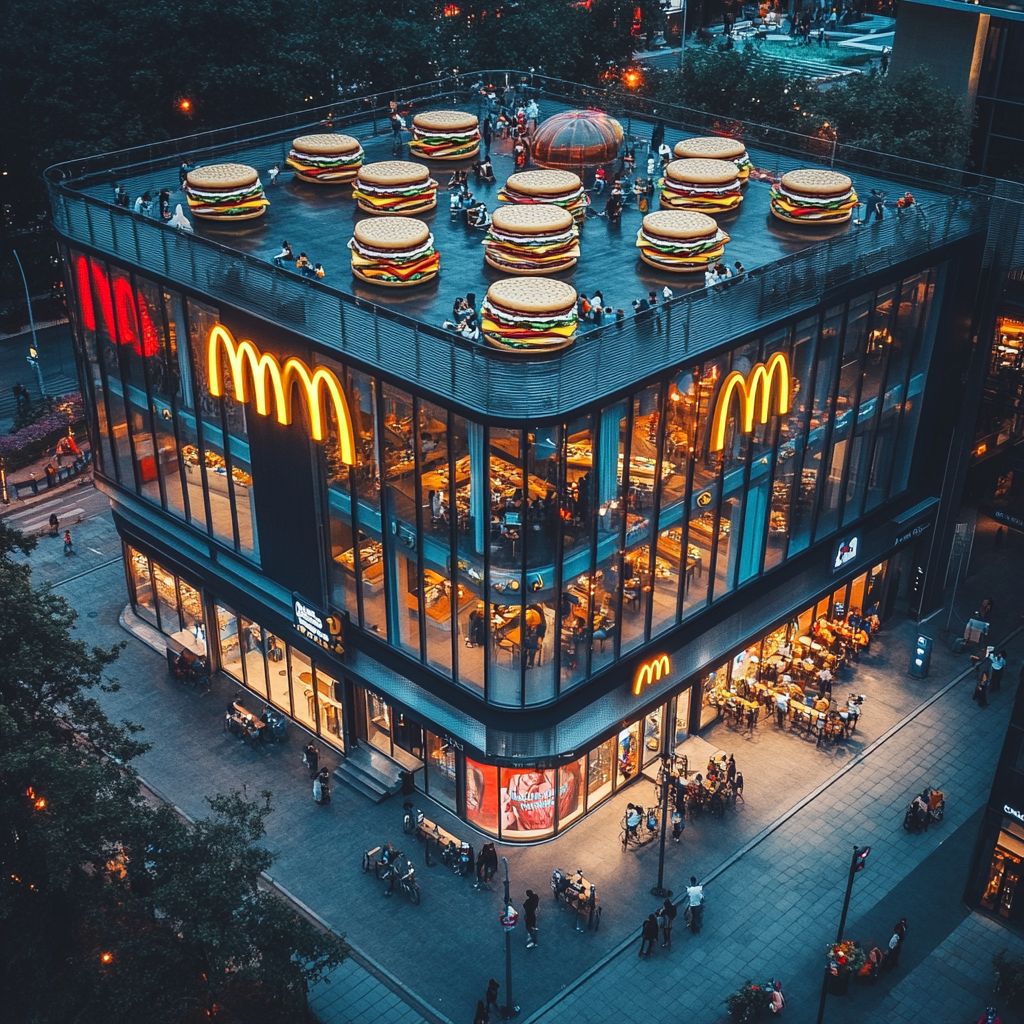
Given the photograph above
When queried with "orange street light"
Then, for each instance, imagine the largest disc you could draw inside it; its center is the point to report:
(107, 958)
(185, 105)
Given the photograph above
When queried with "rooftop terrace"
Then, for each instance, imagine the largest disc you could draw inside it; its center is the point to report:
(399, 330)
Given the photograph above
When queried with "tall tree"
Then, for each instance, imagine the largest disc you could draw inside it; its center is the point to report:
(112, 910)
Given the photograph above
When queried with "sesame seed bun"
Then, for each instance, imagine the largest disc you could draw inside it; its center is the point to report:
(532, 218)
(393, 173)
(544, 183)
(222, 176)
(391, 233)
(816, 181)
(325, 145)
(714, 147)
(445, 120)
(531, 295)
(701, 172)
(680, 225)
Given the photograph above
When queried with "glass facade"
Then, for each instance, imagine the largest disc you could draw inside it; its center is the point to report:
(519, 561)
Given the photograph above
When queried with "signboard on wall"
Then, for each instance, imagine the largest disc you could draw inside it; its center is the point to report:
(845, 552)
(324, 630)
(915, 522)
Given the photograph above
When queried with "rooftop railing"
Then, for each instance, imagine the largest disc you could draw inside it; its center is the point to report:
(481, 380)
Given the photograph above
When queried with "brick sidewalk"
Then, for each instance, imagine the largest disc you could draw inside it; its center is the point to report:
(765, 909)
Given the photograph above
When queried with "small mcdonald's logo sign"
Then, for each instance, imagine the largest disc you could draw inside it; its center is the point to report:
(274, 383)
(754, 393)
(651, 671)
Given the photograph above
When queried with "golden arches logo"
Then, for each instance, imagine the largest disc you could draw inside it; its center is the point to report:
(755, 396)
(271, 380)
(652, 671)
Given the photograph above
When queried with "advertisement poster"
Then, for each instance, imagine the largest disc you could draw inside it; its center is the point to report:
(528, 798)
(482, 795)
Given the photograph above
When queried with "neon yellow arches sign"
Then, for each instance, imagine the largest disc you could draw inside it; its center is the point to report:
(273, 382)
(755, 397)
(651, 671)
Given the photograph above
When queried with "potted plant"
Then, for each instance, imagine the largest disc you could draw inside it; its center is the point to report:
(747, 1003)
(844, 959)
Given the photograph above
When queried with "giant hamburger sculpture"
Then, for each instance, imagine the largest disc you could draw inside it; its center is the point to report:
(529, 315)
(532, 238)
(396, 252)
(560, 188)
(708, 186)
(225, 192)
(716, 147)
(325, 159)
(395, 187)
(680, 241)
(445, 135)
(813, 196)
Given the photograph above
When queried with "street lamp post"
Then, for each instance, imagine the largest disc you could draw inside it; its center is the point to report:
(682, 40)
(668, 729)
(857, 862)
(33, 358)
(510, 1009)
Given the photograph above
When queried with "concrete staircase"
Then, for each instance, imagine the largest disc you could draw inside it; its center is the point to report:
(369, 772)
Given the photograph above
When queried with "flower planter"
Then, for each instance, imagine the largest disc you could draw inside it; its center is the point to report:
(839, 984)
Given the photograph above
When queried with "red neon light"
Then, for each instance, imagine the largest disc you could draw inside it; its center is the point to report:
(124, 304)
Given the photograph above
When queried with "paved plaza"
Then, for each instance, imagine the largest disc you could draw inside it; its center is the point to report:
(773, 870)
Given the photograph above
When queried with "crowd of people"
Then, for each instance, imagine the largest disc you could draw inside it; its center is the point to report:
(304, 265)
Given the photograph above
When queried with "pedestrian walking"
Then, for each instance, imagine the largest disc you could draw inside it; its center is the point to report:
(165, 204)
(777, 1002)
(730, 769)
(781, 707)
(988, 608)
(69, 548)
(322, 786)
(273, 172)
(311, 758)
(648, 935)
(486, 866)
(738, 787)
(885, 61)
(492, 995)
(486, 133)
(980, 691)
(695, 905)
(668, 917)
(998, 662)
(481, 1016)
(530, 907)
(899, 934)
(54, 525)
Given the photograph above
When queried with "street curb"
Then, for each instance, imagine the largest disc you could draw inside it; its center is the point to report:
(382, 974)
(767, 831)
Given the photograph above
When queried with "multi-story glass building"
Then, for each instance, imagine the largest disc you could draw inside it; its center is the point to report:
(533, 564)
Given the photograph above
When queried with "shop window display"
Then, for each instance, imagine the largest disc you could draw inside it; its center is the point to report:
(569, 810)
(303, 695)
(277, 674)
(482, 796)
(253, 643)
(441, 770)
(230, 649)
(1004, 876)
(467, 494)
(166, 598)
(331, 707)
(627, 754)
(142, 586)
(600, 772)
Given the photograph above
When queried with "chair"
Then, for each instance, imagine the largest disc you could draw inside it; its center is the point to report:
(505, 644)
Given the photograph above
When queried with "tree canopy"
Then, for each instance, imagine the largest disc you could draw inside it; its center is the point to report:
(112, 908)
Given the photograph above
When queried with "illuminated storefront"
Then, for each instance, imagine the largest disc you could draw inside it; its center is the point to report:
(527, 585)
